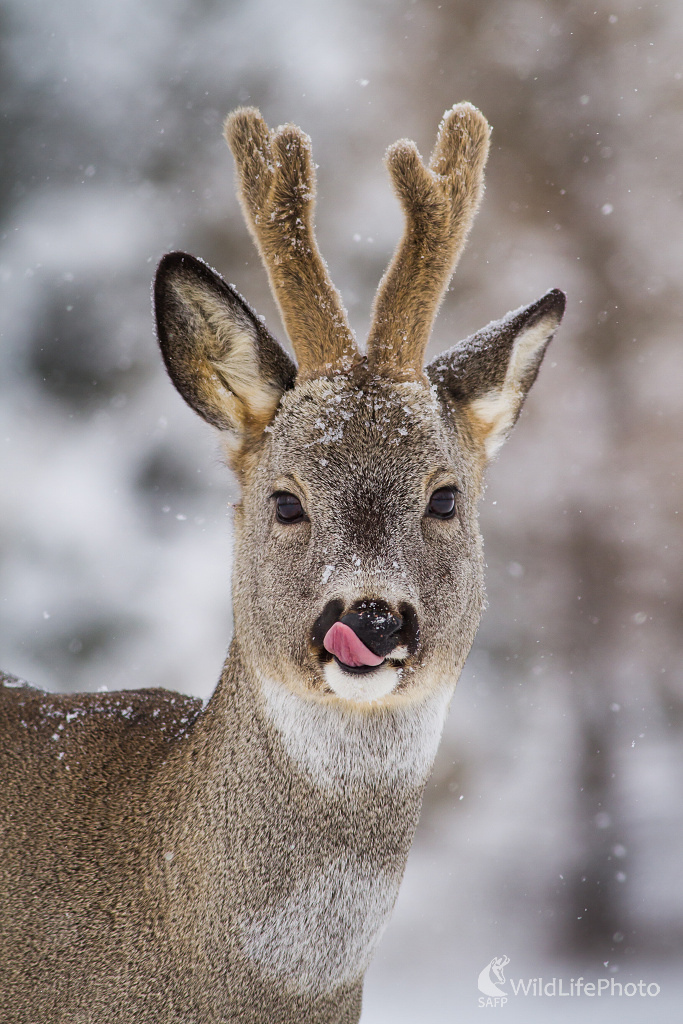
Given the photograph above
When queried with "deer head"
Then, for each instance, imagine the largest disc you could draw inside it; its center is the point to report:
(358, 571)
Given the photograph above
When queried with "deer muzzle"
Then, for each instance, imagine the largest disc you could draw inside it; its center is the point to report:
(367, 634)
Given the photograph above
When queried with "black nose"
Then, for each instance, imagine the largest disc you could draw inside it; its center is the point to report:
(376, 625)
(381, 628)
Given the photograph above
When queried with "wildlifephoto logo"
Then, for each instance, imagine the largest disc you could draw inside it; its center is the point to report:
(490, 981)
(496, 992)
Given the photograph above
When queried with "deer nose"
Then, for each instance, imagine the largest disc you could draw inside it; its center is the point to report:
(375, 624)
(379, 627)
(390, 632)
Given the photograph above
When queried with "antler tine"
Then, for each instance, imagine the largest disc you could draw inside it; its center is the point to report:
(439, 202)
(277, 191)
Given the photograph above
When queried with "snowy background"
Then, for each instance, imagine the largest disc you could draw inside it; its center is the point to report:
(553, 826)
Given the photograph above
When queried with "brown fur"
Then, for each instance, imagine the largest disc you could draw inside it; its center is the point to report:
(124, 933)
(277, 188)
(222, 359)
(440, 202)
(167, 864)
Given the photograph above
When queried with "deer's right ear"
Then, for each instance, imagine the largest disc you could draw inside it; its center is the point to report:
(218, 353)
(489, 374)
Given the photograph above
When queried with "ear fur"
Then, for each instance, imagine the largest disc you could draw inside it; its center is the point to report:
(490, 373)
(218, 354)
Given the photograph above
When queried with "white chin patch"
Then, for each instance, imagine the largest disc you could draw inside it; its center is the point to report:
(362, 689)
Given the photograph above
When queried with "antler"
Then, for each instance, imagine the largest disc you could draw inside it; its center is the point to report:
(277, 183)
(439, 202)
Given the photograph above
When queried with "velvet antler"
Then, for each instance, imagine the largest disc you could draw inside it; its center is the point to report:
(439, 202)
(277, 191)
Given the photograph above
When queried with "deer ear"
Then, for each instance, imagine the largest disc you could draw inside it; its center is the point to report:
(489, 374)
(218, 353)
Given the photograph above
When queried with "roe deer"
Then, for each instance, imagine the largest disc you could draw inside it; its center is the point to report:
(163, 862)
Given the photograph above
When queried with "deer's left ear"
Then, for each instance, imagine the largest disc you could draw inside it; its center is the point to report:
(489, 374)
(218, 353)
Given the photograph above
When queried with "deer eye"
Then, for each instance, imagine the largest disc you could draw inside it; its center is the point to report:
(442, 503)
(288, 508)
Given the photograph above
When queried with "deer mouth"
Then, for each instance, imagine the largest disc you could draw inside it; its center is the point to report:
(361, 653)
(349, 651)
(371, 639)
(354, 656)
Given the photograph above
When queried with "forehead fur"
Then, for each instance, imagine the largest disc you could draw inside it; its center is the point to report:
(349, 425)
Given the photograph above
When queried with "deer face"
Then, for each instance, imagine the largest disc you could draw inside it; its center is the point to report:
(358, 560)
(358, 565)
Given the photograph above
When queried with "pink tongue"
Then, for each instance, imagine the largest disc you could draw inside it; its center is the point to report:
(341, 641)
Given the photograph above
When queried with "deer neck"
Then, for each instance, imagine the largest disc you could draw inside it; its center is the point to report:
(319, 806)
(338, 754)
(349, 750)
